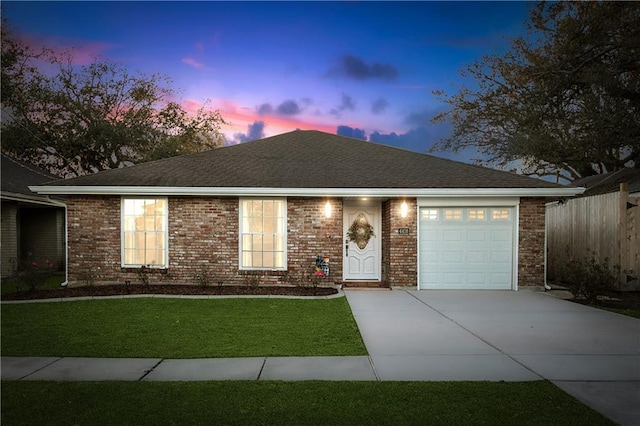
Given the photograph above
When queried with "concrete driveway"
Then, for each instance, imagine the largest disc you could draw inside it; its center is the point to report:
(504, 335)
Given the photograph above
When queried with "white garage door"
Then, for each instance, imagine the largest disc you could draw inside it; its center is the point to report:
(466, 247)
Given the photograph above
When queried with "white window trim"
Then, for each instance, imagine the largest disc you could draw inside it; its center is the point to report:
(122, 238)
(240, 233)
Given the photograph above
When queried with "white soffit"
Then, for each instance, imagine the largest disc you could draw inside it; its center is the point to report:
(309, 192)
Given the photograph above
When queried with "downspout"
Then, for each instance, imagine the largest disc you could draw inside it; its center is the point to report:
(547, 287)
(66, 249)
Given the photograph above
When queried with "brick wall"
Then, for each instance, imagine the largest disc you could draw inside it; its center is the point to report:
(531, 242)
(93, 239)
(399, 251)
(310, 233)
(203, 237)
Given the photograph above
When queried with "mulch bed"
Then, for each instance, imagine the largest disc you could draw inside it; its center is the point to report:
(618, 300)
(191, 290)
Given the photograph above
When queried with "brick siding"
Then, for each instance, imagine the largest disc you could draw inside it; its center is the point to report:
(203, 237)
(531, 242)
(399, 251)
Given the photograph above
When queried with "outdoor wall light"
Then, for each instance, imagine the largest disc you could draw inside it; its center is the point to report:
(404, 209)
(327, 210)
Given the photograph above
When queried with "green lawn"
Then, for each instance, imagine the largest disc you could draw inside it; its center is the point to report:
(630, 312)
(292, 403)
(181, 328)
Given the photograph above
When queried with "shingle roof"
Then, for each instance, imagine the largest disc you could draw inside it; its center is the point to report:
(610, 182)
(308, 159)
(17, 177)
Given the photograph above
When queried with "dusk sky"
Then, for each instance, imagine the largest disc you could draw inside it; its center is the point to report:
(362, 69)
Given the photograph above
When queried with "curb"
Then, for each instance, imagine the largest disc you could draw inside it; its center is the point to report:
(171, 296)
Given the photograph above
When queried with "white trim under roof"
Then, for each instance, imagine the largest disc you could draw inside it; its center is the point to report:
(32, 199)
(308, 192)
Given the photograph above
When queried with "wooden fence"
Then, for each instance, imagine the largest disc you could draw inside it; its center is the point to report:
(605, 226)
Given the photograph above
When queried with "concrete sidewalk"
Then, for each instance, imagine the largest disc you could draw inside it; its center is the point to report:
(156, 369)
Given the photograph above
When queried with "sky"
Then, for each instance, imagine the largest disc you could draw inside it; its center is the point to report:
(356, 68)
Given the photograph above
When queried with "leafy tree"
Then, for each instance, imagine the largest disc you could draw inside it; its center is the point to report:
(77, 120)
(563, 101)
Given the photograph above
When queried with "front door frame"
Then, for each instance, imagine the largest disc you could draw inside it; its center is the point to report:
(376, 207)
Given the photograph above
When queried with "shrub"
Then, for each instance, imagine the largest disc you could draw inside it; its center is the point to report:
(32, 274)
(588, 278)
(204, 277)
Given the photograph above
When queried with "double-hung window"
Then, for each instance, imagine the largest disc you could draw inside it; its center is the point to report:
(144, 232)
(263, 231)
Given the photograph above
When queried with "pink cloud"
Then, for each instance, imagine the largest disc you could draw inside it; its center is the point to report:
(81, 52)
(192, 62)
(238, 117)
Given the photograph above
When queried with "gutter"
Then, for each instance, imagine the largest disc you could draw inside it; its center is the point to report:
(308, 192)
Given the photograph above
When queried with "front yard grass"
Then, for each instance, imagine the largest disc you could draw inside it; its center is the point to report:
(181, 328)
(292, 403)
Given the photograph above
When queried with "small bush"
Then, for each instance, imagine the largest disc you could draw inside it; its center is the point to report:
(204, 277)
(253, 281)
(588, 278)
(143, 275)
(32, 275)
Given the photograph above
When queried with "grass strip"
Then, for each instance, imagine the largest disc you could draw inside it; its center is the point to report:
(292, 403)
(179, 328)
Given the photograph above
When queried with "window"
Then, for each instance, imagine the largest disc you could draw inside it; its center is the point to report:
(453, 214)
(500, 214)
(263, 234)
(476, 214)
(429, 214)
(144, 232)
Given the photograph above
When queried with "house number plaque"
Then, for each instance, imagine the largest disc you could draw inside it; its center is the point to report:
(403, 231)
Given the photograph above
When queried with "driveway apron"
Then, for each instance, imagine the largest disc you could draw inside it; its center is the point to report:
(592, 354)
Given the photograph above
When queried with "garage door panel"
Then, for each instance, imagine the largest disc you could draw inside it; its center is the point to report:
(477, 279)
(454, 278)
(452, 256)
(452, 235)
(500, 257)
(477, 235)
(477, 256)
(465, 248)
(503, 235)
(431, 235)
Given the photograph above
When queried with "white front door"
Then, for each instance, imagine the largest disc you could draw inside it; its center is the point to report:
(362, 248)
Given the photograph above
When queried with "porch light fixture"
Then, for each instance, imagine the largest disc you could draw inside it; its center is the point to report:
(327, 210)
(404, 209)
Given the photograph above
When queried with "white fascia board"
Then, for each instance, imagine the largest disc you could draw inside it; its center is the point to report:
(308, 192)
(31, 199)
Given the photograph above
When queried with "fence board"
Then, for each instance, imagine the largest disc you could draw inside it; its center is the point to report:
(587, 226)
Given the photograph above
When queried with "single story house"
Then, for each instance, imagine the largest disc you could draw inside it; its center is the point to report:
(33, 226)
(378, 215)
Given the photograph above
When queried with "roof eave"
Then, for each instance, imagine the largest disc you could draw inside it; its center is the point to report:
(32, 199)
(308, 192)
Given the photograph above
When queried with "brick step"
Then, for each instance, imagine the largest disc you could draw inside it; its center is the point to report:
(364, 284)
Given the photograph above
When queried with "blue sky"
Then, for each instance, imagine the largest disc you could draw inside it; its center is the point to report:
(363, 69)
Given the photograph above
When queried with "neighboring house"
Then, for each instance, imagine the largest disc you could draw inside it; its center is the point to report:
(381, 215)
(33, 226)
(603, 222)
